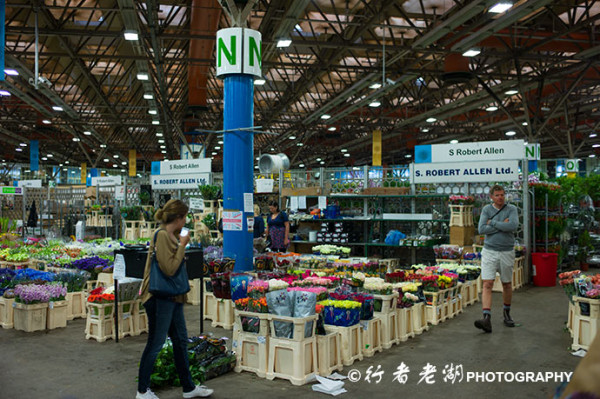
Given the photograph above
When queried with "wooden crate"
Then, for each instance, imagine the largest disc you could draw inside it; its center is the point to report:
(193, 297)
(585, 327)
(6, 312)
(371, 336)
(352, 342)
(99, 322)
(140, 318)
(251, 349)
(57, 315)
(210, 306)
(461, 215)
(76, 305)
(293, 359)
(404, 317)
(437, 307)
(329, 353)
(570, 317)
(31, 317)
(517, 276)
(224, 314)
(389, 329)
(388, 302)
(419, 318)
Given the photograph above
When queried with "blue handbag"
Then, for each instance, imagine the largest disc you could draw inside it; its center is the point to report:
(161, 285)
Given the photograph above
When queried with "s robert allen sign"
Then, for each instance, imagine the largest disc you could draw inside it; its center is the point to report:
(464, 152)
(465, 172)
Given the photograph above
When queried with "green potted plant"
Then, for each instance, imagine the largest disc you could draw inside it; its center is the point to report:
(210, 192)
(584, 243)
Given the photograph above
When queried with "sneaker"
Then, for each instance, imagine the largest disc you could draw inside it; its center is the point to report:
(200, 391)
(148, 395)
(508, 321)
(484, 324)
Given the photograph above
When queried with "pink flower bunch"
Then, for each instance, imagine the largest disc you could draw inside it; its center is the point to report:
(594, 293)
(317, 290)
(32, 293)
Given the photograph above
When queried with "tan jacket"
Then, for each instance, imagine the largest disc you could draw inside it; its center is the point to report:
(169, 255)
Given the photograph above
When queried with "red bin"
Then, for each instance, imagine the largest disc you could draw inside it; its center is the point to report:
(544, 268)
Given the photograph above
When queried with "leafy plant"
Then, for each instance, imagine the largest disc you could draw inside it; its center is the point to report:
(584, 243)
(144, 197)
(131, 212)
(210, 222)
(210, 192)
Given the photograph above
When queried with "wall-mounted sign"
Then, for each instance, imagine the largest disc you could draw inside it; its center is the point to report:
(466, 172)
(232, 220)
(239, 51)
(106, 181)
(465, 152)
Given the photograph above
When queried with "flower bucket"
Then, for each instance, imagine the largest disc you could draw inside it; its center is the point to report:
(346, 317)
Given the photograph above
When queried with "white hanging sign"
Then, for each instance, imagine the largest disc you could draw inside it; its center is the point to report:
(106, 181)
(264, 185)
(465, 172)
(239, 51)
(572, 165)
(29, 183)
(120, 193)
(197, 203)
(465, 152)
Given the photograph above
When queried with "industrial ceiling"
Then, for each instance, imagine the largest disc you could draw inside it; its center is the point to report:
(353, 66)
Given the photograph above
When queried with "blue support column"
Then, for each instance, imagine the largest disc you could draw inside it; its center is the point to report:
(238, 164)
(533, 166)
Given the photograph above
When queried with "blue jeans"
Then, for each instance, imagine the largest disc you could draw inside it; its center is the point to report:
(165, 317)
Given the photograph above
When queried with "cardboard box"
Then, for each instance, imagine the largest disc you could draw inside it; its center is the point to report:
(462, 235)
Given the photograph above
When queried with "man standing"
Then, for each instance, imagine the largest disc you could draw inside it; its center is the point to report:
(498, 222)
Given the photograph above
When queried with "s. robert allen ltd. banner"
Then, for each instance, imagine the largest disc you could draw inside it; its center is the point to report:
(465, 172)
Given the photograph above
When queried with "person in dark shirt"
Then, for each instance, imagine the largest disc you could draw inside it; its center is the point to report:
(278, 228)
(259, 222)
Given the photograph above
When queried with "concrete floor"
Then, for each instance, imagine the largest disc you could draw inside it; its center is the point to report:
(63, 364)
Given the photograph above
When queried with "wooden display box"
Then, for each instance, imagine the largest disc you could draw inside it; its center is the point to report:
(352, 342)
(6, 312)
(57, 315)
(329, 353)
(75, 305)
(585, 327)
(462, 235)
(252, 349)
(30, 318)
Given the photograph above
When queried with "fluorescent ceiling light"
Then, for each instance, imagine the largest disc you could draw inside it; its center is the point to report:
(500, 7)
(130, 35)
(375, 86)
(592, 155)
(375, 104)
(11, 72)
(301, 165)
(510, 133)
(57, 108)
(148, 96)
(214, 153)
(318, 159)
(292, 137)
(159, 134)
(67, 162)
(259, 82)
(25, 144)
(332, 129)
(281, 43)
(471, 52)
(299, 144)
(424, 129)
(161, 141)
(491, 108)
(592, 135)
(115, 165)
(322, 162)
(115, 156)
(217, 147)
(122, 170)
(408, 156)
(325, 116)
(454, 141)
(163, 152)
(143, 76)
(152, 111)
(163, 147)
(106, 160)
(272, 149)
(102, 145)
(156, 122)
(430, 120)
(511, 92)
(596, 145)
(49, 155)
(124, 163)
(44, 159)
(524, 123)
(220, 141)
(4, 93)
(344, 150)
(76, 139)
(346, 155)
(545, 109)
(87, 133)
(19, 149)
(46, 122)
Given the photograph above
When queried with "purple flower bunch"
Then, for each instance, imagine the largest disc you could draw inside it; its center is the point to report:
(90, 264)
(38, 293)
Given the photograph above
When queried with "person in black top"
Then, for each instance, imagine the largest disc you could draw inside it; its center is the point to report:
(259, 222)
(278, 228)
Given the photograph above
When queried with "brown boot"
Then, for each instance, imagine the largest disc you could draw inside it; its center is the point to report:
(485, 324)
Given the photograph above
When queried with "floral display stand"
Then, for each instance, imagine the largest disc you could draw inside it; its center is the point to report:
(469, 293)
(586, 322)
(329, 353)
(419, 318)
(295, 358)
(132, 230)
(30, 317)
(385, 303)
(251, 348)
(140, 318)
(126, 318)
(6, 312)
(57, 314)
(404, 317)
(210, 306)
(436, 308)
(517, 276)
(75, 305)
(193, 297)
(371, 336)
(389, 328)
(461, 215)
(99, 322)
(571, 317)
(224, 314)
(352, 342)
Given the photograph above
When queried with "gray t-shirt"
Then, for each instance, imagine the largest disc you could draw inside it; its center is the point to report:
(499, 235)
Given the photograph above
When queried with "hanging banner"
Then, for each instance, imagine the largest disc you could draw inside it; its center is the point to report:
(239, 51)
(132, 163)
(106, 181)
(84, 173)
(571, 165)
(2, 37)
(466, 152)
(377, 147)
(29, 183)
(34, 155)
(533, 152)
(466, 172)
(182, 167)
